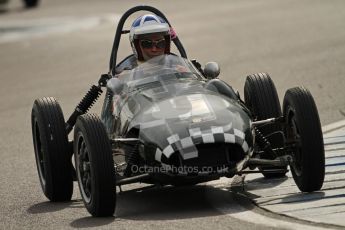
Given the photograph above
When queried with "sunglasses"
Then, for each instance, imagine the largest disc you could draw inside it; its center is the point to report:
(148, 44)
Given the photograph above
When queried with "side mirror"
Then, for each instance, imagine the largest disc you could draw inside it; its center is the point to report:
(211, 70)
(115, 85)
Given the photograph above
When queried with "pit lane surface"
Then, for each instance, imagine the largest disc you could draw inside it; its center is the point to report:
(297, 42)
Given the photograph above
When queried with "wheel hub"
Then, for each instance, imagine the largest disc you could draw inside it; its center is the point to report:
(84, 171)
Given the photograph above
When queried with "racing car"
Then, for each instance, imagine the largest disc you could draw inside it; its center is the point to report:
(169, 121)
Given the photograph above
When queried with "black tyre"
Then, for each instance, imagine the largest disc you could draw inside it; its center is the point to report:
(51, 149)
(303, 126)
(30, 3)
(261, 98)
(94, 166)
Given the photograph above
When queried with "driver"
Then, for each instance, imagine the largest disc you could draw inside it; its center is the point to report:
(150, 36)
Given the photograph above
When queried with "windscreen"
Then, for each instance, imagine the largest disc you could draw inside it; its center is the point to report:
(158, 71)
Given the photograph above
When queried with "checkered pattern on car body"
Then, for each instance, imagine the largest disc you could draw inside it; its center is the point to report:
(186, 146)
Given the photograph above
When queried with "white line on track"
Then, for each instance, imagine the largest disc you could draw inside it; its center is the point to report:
(17, 30)
(333, 126)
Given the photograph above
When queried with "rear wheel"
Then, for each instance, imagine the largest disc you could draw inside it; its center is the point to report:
(95, 166)
(303, 127)
(261, 98)
(51, 149)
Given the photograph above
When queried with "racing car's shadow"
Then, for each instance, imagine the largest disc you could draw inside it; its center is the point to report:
(264, 183)
(89, 222)
(48, 207)
(166, 203)
(85, 222)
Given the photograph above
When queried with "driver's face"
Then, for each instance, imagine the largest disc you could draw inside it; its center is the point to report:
(155, 49)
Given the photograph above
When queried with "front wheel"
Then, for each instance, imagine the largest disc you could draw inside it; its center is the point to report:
(303, 128)
(94, 166)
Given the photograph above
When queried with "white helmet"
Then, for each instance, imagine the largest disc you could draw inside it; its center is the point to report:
(148, 24)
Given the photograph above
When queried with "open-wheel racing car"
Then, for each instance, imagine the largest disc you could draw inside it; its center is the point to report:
(170, 122)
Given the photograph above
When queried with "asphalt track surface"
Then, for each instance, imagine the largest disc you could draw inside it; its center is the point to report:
(61, 48)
